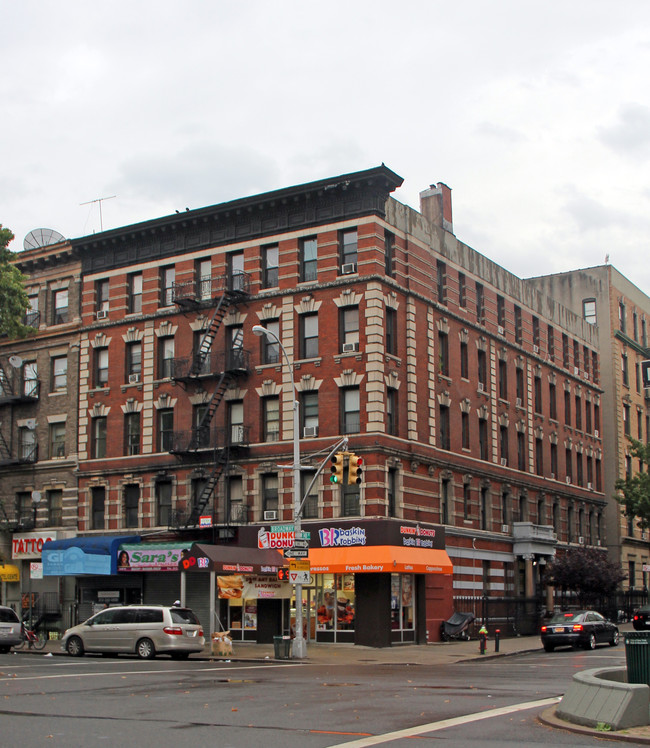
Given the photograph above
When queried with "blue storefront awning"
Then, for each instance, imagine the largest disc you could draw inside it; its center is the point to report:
(95, 554)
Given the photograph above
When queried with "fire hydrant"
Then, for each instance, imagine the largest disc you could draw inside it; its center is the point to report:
(482, 639)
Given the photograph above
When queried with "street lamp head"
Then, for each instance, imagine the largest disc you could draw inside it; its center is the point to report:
(259, 330)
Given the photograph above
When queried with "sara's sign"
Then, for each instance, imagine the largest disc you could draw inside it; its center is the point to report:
(149, 560)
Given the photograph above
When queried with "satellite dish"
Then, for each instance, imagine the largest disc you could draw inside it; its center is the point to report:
(16, 361)
(30, 423)
(36, 496)
(42, 238)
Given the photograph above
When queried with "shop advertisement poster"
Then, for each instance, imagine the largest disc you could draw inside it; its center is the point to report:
(249, 587)
(159, 559)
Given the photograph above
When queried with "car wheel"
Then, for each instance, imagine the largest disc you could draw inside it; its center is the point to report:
(549, 648)
(145, 649)
(591, 642)
(615, 639)
(75, 647)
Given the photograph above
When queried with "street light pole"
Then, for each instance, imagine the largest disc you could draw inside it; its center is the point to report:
(299, 642)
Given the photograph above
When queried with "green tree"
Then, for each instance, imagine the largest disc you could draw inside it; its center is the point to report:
(635, 490)
(13, 297)
(586, 571)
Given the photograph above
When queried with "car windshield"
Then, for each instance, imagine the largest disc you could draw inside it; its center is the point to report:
(567, 617)
(183, 615)
(8, 616)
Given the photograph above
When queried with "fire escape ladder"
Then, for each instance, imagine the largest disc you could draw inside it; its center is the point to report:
(5, 452)
(6, 383)
(213, 327)
(214, 402)
(221, 461)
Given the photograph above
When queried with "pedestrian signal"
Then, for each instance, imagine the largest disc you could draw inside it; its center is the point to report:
(355, 469)
(337, 468)
(283, 574)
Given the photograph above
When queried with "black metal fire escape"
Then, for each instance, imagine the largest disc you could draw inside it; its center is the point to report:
(206, 363)
(14, 391)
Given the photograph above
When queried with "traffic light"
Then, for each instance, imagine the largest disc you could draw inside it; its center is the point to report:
(355, 469)
(283, 574)
(337, 468)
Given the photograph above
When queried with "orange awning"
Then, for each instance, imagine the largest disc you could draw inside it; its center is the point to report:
(379, 558)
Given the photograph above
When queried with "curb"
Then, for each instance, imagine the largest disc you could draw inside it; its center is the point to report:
(550, 719)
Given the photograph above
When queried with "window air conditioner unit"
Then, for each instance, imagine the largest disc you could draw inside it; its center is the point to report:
(576, 370)
(505, 528)
(270, 515)
(587, 375)
(349, 267)
(501, 330)
(581, 540)
(102, 313)
(596, 434)
(552, 476)
(350, 347)
(519, 402)
(310, 431)
(134, 378)
(568, 479)
(535, 349)
(598, 542)
(504, 461)
(590, 486)
(480, 387)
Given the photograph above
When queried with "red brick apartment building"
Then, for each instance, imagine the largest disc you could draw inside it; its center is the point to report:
(473, 400)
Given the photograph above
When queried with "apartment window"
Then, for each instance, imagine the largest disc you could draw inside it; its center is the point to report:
(271, 348)
(568, 461)
(235, 269)
(391, 487)
(30, 379)
(309, 410)
(101, 296)
(310, 507)
(131, 505)
(541, 512)
(24, 506)
(554, 469)
(597, 417)
(464, 424)
(270, 492)
(576, 354)
(503, 444)
(567, 408)
(550, 339)
(589, 310)
(349, 320)
(484, 506)
(639, 425)
(569, 524)
(480, 304)
(467, 499)
(626, 419)
(165, 430)
(539, 456)
(483, 438)
(308, 335)
(203, 276)
(621, 316)
(462, 290)
(348, 249)
(167, 279)
(644, 333)
(637, 374)
(270, 261)
(464, 361)
(235, 498)
(98, 437)
(201, 350)
(538, 394)
(271, 418)
(101, 367)
(441, 275)
(236, 421)
(391, 331)
(594, 366)
(504, 507)
(519, 382)
(350, 500)
(57, 440)
(503, 380)
(163, 503)
(132, 434)
(579, 470)
(501, 313)
(389, 252)
(482, 370)
(443, 354)
(165, 358)
(27, 449)
(536, 334)
(578, 402)
(588, 427)
(552, 401)
(60, 306)
(308, 259)
(135, 293)
(351, 413)
(624, 370)
(565, 351)
(59, 373)
(32, 316)
(599, 477)
(201, 432)
(54, 508)
(518, 326)
(97, 507)
(443, 421)
(521, 451)
(444, 502)
(555, 516)
(391, 411)
(133, 362)
(585, 360)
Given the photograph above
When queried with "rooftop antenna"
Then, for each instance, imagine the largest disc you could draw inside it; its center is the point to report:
(99, 200)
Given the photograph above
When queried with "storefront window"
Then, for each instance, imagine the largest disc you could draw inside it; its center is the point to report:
(401, 601)
(335, 601)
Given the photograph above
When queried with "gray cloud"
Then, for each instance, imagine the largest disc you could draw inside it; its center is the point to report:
(630, 135)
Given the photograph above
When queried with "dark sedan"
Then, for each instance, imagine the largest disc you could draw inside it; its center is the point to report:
(582, 628)
(641, 620)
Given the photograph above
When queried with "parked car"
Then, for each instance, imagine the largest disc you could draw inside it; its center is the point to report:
(145, 630)
(641, 618)
(11, 629)
(582, 628)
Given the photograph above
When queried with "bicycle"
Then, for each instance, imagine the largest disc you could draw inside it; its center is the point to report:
(32, 639)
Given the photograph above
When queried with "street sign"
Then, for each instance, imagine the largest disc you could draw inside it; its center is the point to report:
(300, 543)
(299, 577)
(299, 565)
(296, 552)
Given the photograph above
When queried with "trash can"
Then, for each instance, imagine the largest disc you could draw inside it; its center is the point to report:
(637, 656)
(282, 647)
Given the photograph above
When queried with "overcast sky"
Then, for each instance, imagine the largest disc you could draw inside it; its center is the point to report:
(536, 114)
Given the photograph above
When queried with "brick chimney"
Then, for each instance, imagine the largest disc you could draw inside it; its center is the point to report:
(435, 206)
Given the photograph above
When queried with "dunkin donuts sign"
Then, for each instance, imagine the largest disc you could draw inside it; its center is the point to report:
(279, 536)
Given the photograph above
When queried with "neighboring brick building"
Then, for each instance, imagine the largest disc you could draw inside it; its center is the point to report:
(621, 312)
(473, 399)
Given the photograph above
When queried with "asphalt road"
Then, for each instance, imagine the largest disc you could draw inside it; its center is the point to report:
(129, 702)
